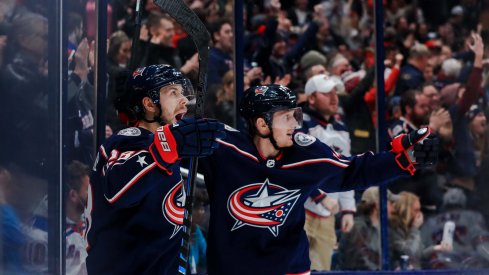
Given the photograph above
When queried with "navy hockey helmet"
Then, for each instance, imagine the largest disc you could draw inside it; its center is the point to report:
(260, 100)
(148, 81)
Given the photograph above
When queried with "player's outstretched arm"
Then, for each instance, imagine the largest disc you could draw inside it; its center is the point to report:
(408, 153)
(416, 149)
(186, 138)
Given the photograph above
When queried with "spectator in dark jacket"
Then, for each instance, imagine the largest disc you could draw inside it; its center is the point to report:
(411, 75)
(220, 60)
(357, 116)
(24, 87)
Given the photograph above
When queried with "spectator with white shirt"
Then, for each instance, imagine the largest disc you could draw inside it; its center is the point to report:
(319, 121)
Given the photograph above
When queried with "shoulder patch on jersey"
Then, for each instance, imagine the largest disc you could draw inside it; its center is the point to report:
(130, 132)
(397, 130)
(229, 128)
(304, 139)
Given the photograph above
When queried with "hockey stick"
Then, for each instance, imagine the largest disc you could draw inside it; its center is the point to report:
(201, 38)
(135, 38)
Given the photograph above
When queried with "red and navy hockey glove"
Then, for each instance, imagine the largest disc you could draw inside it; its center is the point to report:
(188, 137)
(416, 149)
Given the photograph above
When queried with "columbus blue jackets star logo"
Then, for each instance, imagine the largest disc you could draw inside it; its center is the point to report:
(263, 205)
(138, 72)
(173, 207)
(260, 90)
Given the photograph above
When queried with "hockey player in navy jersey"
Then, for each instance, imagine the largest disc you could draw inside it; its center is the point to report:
(136, 198)
(258, 184)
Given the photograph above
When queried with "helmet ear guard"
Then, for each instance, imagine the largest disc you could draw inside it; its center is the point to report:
(124, 98)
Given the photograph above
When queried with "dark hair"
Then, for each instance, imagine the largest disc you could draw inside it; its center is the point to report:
(76, 172)
(408, 99)
(153, 19)
(216, 26)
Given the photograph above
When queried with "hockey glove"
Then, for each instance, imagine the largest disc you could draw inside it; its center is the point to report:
(415, 149)
(187, 138)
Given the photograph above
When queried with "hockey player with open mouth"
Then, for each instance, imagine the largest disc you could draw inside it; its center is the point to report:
(136, 199)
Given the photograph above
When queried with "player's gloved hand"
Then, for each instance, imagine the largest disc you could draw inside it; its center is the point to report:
(188, 137)
(415, 149)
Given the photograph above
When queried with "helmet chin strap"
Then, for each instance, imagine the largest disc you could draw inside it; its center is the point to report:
(273, 141)
(270, 135)
(157, 117)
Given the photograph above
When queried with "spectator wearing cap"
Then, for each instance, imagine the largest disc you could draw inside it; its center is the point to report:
(411, 75)
(319, 121)
(359, 249)
(470, 238)
(313, 63)
(405, 236)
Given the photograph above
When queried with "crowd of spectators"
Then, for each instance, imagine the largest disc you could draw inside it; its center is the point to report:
(436, 74)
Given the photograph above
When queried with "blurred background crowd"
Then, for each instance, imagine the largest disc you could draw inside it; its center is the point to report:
(436, 74)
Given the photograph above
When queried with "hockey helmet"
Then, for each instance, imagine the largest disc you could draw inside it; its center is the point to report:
(148, 81)
(258, 100)
(263, 101)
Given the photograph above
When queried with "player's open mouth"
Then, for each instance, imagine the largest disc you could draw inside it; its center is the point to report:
(179, 116)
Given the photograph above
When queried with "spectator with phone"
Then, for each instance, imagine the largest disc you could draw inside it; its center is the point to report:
(470, 235)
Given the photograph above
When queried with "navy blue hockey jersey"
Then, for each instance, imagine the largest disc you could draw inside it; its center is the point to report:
(135, 209)
(256, 204)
